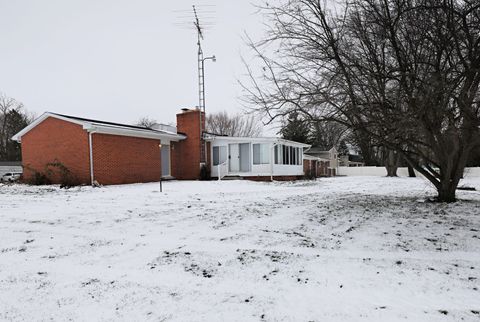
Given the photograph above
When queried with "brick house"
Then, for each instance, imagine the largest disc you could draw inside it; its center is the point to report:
(315, 167)
(112, 153)
(327, 161)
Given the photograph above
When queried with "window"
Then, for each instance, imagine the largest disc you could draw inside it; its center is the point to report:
(275, 153)
(261, 154)
(288, 155)
(279, 149)
(219, 155)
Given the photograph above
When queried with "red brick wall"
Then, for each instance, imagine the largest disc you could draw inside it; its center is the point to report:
(209, 159)
(186, 153)
(54, 139)
(322, 169)
(121, 159)
(308, 167)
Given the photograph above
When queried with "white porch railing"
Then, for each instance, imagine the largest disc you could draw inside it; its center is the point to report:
(219, 170)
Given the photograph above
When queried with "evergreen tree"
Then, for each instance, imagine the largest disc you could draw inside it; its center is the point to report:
(16, 122)
(343, 148)
(295, 128)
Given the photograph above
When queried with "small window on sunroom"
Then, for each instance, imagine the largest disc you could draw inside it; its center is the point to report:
(219, 155)
(261, 153)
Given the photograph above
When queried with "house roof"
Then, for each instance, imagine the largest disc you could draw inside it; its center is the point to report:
(101, 122)
(212, 137)
(97, 126)
(311, 157)
(355, 158)
(319, 149)
(321, 154)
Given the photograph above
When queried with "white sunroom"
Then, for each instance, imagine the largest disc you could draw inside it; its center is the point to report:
(250, 157)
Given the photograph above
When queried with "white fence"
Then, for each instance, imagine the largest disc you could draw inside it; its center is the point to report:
(381, 171)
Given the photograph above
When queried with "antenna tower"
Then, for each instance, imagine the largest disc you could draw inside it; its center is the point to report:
(199, 28)
(201, 69)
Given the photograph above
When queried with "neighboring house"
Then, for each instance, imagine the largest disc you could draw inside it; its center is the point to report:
(351, 160)
(324, 154)
(10, 166)
(255, 158)
(315, 167)
(113, 153)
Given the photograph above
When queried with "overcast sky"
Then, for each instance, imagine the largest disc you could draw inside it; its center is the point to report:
(119, 60)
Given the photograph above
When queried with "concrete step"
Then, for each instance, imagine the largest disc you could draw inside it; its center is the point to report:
(232, 178)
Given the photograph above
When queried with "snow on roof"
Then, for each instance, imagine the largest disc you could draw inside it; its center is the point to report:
(102, 122)
(311, 157)
(105, 127)
(320, 149)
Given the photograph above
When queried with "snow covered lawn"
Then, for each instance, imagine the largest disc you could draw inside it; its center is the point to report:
(338, 249)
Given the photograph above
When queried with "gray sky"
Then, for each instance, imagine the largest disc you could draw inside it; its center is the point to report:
(119, 60)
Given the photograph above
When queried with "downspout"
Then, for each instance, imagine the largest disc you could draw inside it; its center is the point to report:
(92, 178)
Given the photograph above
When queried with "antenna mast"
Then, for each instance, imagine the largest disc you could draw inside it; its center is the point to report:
(201, 69)
(197, 11)
(201, 83)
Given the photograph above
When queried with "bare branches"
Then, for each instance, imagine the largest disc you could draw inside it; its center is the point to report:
(146, 122)
(13, 118)
(405, 73)
(237, 125)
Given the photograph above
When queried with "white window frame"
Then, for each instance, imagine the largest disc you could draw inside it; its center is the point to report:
(264, 153)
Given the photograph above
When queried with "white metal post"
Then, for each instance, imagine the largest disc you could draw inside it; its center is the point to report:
(160, 146)
(90, 147)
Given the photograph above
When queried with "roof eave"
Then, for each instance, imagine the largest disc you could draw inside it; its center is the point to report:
(148, 134)
(89, 126)
(18, 137)
(211, 137)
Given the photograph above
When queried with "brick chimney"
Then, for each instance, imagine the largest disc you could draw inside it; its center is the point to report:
(188, 153)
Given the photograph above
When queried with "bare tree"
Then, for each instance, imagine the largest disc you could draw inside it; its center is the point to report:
(327, 134)
(146, 122)
(404, 73)
(237, 125)
(13, 119)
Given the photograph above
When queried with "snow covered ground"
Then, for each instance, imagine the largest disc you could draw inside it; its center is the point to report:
(338, 249)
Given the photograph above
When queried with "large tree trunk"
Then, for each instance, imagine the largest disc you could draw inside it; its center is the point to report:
(391, 163)
(446, 192)
(452, 164)
(366, 149)
(411, 171)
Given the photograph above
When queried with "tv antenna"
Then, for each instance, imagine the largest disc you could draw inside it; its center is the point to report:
(205, 14)
(206, 11)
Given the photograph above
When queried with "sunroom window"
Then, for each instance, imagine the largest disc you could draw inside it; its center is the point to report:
(261, 153)
(219, 155)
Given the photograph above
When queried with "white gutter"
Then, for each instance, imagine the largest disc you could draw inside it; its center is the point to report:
(92, 178)
(256, 139)
(149, 134)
